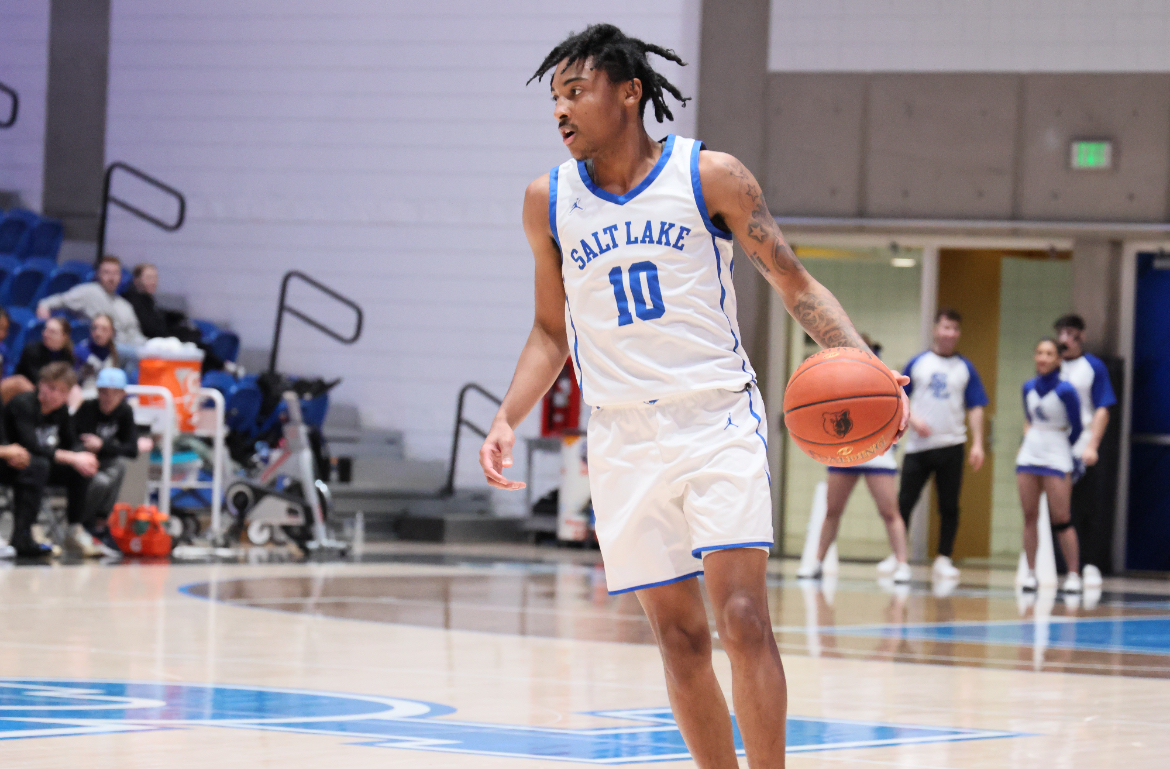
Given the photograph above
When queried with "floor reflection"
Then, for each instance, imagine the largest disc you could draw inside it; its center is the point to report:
(1120, 634)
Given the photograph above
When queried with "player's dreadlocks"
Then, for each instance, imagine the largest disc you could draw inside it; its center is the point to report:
(622, 58)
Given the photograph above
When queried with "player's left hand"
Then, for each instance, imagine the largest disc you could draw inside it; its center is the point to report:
(1089, 457)
(976, 457)
(902, 382)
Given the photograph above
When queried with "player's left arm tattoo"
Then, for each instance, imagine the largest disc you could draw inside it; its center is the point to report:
(810, 303)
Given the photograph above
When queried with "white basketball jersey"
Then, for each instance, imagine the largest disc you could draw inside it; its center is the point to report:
(651, 307)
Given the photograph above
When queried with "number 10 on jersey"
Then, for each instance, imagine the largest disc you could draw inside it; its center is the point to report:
(644, 311)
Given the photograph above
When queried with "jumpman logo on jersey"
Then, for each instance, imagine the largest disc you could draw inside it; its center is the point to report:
(576, 206)
(938, 385)
(729, 422)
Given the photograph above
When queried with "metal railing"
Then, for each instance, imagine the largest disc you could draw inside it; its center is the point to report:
(108, 198)
(461, 422)
(283, 307)
(12, 112)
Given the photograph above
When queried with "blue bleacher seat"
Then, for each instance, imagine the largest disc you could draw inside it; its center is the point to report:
(20, 288)
(44, 240)
(79, 331)
(58, 281)
(8, 265)
(78, 268)
(242, 408)
(208, 329)
(24, 330)
(15, 231)
(219, 380)
(226, 345)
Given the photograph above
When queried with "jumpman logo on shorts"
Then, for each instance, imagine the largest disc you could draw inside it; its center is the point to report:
(729, 422)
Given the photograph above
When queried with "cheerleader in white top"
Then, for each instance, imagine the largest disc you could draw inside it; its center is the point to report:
(880, 474)
(1044, 463)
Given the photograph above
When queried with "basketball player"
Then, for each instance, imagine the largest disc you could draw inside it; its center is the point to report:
(1085, 372)
(879, 474)
(633, 243)
(1045, 460)
(944, 387)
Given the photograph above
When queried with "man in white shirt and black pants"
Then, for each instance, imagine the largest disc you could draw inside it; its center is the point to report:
(944, 388)
(1087, 373)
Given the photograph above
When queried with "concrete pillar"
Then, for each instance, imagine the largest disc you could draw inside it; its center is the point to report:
(733, 70)
(75, 114)
(1096, 292)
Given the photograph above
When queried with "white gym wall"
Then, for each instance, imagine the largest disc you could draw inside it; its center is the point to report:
(996, 36)
(383, 148)
(24, 67)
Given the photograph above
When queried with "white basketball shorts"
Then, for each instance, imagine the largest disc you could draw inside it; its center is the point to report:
(675, 479)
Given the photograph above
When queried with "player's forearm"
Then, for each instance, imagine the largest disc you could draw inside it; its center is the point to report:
(824, 319)
(540, 363)
(975, 420)
(1097, 428)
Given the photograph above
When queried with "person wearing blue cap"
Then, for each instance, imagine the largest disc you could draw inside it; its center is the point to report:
(106, 428)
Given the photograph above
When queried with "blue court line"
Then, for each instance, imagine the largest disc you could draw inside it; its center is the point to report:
(1129, 635)
(50, 708)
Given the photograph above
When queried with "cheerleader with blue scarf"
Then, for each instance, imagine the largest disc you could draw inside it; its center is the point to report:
(1045, 462)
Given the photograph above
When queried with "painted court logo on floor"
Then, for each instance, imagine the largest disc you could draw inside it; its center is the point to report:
(31, 708)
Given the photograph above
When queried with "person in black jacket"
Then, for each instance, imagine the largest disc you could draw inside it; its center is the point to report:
(40, 422)
(157, 322)
(106, 428)
(14, 460)
(54, 345)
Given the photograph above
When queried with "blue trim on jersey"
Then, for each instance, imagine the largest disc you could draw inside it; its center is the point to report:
(553, 177)
(576, 354)
(683, 578)
(1072, 406)
(1039, 470)
(909, 387)
(621, 200)
(698, 551)
(759, 422)
(1101, 393)
(863, 470)
(974, 396)
(697, 188)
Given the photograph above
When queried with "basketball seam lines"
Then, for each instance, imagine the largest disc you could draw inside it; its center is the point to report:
(835, 400)
(883, 369)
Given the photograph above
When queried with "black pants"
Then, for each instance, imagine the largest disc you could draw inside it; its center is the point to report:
(28, 489)
(946, 465)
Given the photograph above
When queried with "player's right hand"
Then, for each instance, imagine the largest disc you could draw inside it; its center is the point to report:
(920, 426)
(496, 455)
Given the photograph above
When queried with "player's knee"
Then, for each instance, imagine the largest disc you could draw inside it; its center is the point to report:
(682, 643)
(745, 623)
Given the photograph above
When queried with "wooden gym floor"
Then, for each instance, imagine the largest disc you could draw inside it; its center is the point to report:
(500, 656)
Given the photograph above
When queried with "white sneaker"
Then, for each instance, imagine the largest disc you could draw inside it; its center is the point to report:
(1072, 583)
(887, 565)
(1029, 584)
(81, 542)
(7, 550)
(902, 573)
(943, 567)
(1091, 576)
(810, 572)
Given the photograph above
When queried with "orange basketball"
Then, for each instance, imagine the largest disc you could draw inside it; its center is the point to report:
(843, 406)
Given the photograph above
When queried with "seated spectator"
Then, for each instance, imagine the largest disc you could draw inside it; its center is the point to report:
(13, 460)
(156, 322)
(92, 299)
(40, 422)
(106, 429)
(54, 346)
(95, 354)
(5, 327)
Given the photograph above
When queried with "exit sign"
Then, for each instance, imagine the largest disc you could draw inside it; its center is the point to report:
(1091, 154)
